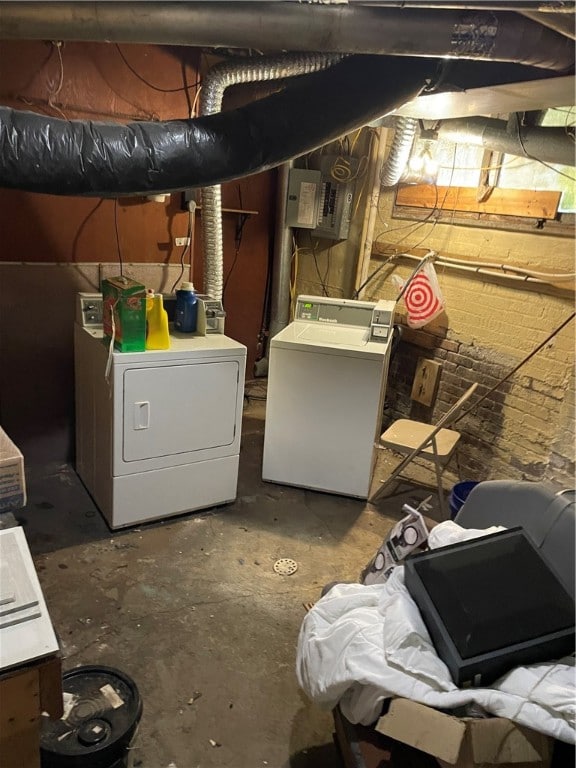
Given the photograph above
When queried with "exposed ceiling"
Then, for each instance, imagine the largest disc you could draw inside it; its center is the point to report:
(464, 59)
(512, 56)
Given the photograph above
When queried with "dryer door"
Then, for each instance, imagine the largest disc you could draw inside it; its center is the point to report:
(178, 409)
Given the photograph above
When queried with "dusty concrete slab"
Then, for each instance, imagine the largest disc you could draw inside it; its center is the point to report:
(192, 606)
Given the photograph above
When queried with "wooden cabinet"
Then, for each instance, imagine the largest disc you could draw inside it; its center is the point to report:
(25, 693)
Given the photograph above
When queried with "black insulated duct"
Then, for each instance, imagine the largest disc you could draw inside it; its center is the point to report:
(552, 145)
(43, 154)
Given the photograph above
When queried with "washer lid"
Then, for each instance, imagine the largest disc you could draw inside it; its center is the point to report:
(329, 339)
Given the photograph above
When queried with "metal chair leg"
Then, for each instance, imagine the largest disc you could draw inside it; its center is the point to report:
(438, 466)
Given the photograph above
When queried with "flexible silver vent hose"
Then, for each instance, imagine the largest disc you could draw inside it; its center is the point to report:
(216, 81)
(399, 154)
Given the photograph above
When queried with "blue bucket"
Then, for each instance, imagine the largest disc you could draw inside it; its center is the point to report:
(458, 496)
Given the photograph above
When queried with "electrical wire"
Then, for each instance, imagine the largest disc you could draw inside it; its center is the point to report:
(373, 275)
(187, 247)
(235, 259)
(414, 225)
(414, 228)
(327, 271)
(365, 175)
(185, 85)
(313, 249)
(243, 218)
(120, 261)
(193, 112)
(293, 274)
(148, 83)
(52, 94)
(528, 357)
(531, 157)
(355, 140)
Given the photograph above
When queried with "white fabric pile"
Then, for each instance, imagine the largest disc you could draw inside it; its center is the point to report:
(360, 645)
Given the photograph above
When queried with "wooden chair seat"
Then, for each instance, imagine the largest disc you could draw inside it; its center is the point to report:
(406, 435)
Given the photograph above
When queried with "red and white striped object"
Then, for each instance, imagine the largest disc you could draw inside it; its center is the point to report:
(423, 298)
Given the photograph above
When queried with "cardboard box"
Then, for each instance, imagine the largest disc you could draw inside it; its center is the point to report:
(465, 742)
(124, 300)
(12, 482)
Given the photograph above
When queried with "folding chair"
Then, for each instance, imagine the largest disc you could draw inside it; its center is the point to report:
(431, 442)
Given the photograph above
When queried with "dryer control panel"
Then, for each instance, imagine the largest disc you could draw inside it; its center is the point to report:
(89, 310)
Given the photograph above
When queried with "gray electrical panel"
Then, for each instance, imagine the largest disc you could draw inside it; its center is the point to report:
(303, 198)
(320, 202)
(335, 209)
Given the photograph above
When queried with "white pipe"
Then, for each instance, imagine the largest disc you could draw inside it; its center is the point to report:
(488, 270)
(214, 84)
(561, 277)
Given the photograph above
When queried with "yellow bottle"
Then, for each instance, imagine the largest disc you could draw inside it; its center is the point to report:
(157, 334)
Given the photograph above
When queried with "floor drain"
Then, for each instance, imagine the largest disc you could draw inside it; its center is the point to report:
(285, 566)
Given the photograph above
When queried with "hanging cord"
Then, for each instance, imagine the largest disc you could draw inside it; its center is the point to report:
(108, 369)
(516, 123)
(189, 245)
(52, 95)
(118, 238)
(517, 367)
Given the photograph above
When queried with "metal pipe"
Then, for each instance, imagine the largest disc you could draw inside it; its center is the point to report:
(214, 85)
(548, 6)
(559, 22)
(281, 260)
(296, 27)
(552, 145)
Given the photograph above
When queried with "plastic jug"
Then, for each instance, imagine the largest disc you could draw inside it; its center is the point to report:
(186, 315)
(157, 333)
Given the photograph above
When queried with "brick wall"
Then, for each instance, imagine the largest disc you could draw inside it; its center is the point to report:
(524, 430)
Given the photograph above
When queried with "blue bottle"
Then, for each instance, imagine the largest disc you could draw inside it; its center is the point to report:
(186, 314)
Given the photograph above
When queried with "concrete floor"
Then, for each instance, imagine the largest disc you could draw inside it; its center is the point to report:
(192, 606)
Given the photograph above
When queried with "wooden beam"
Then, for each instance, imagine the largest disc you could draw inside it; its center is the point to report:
(508, 202)
(375, 164)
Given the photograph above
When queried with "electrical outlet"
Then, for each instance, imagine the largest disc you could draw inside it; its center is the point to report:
(426, 381)
(181, 241)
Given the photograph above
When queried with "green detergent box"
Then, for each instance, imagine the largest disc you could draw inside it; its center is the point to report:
(124, 313)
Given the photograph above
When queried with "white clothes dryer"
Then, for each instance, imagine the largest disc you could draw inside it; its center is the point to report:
(161, 436)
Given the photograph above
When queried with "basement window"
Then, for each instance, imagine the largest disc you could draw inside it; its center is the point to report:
(476, 187)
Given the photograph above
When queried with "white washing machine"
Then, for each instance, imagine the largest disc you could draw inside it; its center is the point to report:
(326, 387)
(162, 435)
